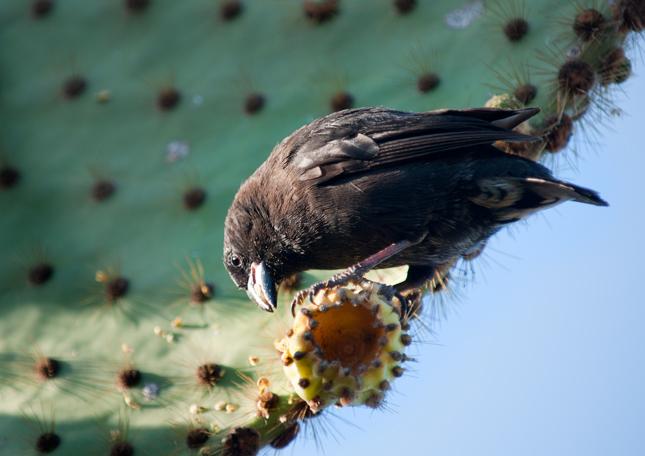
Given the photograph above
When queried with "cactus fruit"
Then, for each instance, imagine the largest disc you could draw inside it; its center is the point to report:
(345, 346)
(127, 128)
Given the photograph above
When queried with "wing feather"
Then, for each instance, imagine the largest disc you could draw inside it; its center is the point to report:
(361, 140)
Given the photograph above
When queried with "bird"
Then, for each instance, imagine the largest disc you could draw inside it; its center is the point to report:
(374, 187)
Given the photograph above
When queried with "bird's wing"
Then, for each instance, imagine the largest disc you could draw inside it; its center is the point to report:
(360, 140)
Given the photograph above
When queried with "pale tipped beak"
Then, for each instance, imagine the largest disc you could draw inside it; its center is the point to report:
(261, 287)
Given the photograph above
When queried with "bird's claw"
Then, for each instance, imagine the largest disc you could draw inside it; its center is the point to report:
(340, 279)
(389, 293)
(297, 300)
(403, 306)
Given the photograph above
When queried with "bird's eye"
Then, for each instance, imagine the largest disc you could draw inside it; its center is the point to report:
(235, 261)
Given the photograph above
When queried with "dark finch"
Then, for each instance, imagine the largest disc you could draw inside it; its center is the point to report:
(373, 187)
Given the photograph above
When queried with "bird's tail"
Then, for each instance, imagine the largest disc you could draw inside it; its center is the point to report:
(554, 192)
(513, 198)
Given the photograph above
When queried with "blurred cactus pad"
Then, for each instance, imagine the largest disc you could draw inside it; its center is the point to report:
(127, 127)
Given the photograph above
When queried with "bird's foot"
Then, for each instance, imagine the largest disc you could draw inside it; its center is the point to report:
(391, 293)
(356, 272)
(350, 275)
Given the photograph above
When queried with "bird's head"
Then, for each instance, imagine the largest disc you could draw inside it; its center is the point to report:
(253, 254)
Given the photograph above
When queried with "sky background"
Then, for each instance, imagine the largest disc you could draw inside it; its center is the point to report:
(543, 351)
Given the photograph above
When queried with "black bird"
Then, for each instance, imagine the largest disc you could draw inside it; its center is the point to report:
(374, 187)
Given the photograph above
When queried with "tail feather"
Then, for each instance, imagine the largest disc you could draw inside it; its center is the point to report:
(563, 191)
(513, 198)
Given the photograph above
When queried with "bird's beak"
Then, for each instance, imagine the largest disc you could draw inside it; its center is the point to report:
(261, 287)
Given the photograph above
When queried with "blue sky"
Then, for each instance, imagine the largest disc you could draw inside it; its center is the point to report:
(543, 352)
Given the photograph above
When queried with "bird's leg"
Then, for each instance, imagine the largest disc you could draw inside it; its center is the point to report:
(355, 272)
(358, 270)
